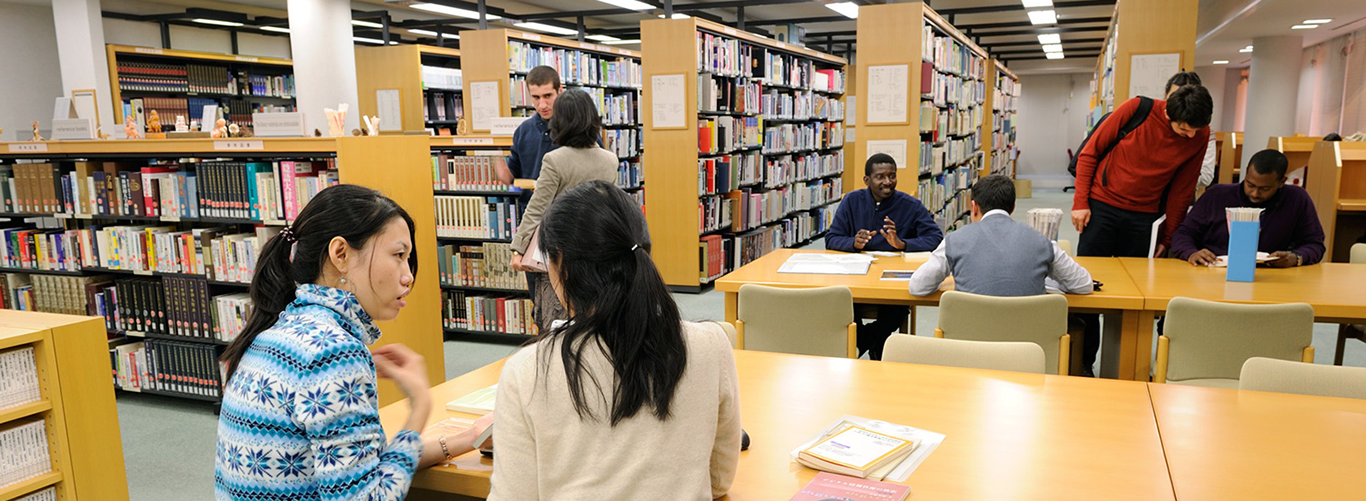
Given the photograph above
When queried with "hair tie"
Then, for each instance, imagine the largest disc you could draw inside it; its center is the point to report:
(288, 235)
(634, 247)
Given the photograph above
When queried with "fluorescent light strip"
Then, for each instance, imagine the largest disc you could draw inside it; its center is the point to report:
(1043, 17)
(1304, 26)
(1221, 61)
(430, 33)
(1246, 49)
(215, 22)
(621, 42)
(676, 16)
(1317, 21)
(366, 24)
(1052, 47)
(375, 41)
(1050, 38)
(629, 4)
(451, 11)
(547, 28)
(1054, 55)
(603, 38)
(276, 29)
(848, 9)
(1030, 4)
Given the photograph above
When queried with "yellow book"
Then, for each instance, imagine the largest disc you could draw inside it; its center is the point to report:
(855, 451)
(477, 402)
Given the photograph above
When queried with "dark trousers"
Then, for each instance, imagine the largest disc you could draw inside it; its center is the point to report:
(1112, 232)
(873, 335)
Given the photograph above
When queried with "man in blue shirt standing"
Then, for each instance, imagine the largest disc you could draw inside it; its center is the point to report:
(531, 140)
(880, 218)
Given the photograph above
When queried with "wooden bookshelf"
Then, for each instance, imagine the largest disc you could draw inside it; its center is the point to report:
(1337, 183)
(398, 166)
(235, 104)
(679, 230)
(76, 406)
(1230, 157)
(946, 147)
(1000, 107)
(1297, 151)
(1140, 28)
(400, 68)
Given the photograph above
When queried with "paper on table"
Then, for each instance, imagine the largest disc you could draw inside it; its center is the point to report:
(884, 253)
(1222, 261)
(928, 442)
(918, 255)
(827, 264)
(901, 275)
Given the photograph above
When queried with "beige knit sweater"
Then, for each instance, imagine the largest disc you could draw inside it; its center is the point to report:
(545, 451)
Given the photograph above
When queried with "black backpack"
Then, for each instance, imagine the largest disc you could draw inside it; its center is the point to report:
(1145, 106)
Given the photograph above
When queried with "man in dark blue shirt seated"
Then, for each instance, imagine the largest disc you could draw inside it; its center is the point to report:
(880, 218)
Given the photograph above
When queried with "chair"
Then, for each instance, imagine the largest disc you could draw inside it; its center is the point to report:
(1349, 331)
(818, 321)
(1018, 356)
(1040, 319)
(1266, 374)
(1066, 246)
(730, 332)
(1205, 342)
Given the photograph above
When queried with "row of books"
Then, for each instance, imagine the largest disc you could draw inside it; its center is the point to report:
(16, 292)
(437, 77)
(216, 253)
(935, 157)
(167, 366)
(1007, 93)
(48, 494)
(281, 86)
(753, 208)
(18, 378)
(625, 143)
(950, 56)
(476, 217)
(724, 56)
(727, 134)
(939, 192)
(24, 452)
(201, 78)
(831, 80)
(721, 254)
(619, 108)
(713, 213)
(486, 313)
(240, 110)
(940, 123)
(951, 90)
(1003, 121)
(488, 265)
(443, 106)
(721, 93)
(575, 66)
(273, 190)
(630, 174)
(728, 172)
(791, 138)
(167, 108)
(454, 171)
(801, 105)
(786, 169)
(60, 294)
(787, 70)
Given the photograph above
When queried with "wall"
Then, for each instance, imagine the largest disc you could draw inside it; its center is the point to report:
(122, 32)
(1053, 111)
(1212, 77)
(30, 38)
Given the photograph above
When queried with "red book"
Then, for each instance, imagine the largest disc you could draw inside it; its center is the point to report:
(832, 486)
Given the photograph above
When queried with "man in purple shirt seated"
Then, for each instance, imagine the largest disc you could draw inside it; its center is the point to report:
(1290, 229)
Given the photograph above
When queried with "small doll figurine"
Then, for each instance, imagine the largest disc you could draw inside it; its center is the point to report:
(220, 129)
(233, 131)
(36, 135)
(154, 122)
(130, 128)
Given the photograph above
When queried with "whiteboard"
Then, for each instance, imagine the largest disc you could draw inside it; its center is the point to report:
(887, 94)
(484, 105)
(1148, 73)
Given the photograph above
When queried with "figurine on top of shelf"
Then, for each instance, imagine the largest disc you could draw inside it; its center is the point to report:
(461, 127)
(371, 127)
(356, 132)
(130, 128)
(154, 122)
(220, 129)
(235, 130)
(317, 133)
(36, 135)
(180, 124)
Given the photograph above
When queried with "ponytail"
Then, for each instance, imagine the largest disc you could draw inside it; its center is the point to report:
(296, 255)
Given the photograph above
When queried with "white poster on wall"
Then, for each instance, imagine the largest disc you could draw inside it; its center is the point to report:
(887, 94)
(667, 96)
(484, 104)
(896, 148)
(389, 109)
(1148, 73)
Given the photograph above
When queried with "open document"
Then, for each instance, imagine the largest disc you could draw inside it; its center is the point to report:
(827, 264)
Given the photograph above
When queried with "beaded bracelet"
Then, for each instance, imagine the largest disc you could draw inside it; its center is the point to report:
(441, 439)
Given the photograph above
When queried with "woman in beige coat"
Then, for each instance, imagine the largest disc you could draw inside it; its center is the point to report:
(575, 127)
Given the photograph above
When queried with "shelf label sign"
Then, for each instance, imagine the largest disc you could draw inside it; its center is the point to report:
(73, 128)
(472, 141)
(28, 148)
(239, 145)
(286, 124)
(504, 126)
(248, 59)
(147, 50)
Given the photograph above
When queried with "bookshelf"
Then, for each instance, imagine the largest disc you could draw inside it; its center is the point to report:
(1230, 157)
(158, 259)
(945, 92)
(181, 82)
(1136, 29)
(1000, 106)
(426, 78)
(757, 126)
(1337, 183)
(74, 404)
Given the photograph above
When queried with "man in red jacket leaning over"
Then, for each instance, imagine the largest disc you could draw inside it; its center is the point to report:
(1149, 172)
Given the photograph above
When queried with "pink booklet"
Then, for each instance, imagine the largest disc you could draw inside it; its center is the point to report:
(533, 258)
(831, 486)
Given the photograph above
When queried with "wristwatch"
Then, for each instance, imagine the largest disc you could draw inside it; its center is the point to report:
(1299, 260)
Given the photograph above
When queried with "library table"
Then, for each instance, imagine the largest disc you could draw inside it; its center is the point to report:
(1009, 435)
(1224, 444)
(1337, 291)
(1128, 327)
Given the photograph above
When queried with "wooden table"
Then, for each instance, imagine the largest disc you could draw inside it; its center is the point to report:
(1009, 435)
(1128, 327)
(1337, 291)
(1225, 444)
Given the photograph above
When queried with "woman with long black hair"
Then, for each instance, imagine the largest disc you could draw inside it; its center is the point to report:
(299, 418)
(625, 401)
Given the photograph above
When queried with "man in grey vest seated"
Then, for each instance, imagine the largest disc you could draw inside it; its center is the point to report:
(997, 256)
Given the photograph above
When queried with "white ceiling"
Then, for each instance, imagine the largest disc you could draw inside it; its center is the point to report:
(1225, 26)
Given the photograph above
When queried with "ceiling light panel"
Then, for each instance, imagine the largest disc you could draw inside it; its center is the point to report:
(1043, 17)
(1054, 55)
(366, 24)
(451, 11)
(1317, 21)
(1221, 61)
(621, 42)
(546, 28)
(1031, 4)
(629, 4)
(215, 22)
(276, 29)
(847, 9)
(1304, 26)
(1050, 38)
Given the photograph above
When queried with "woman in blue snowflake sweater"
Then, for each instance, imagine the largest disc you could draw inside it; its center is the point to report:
(300, 419)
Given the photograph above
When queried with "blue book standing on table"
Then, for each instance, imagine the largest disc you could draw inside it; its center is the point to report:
(1242, 250)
